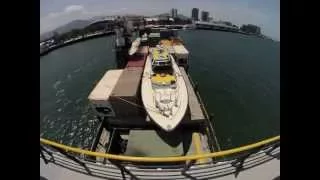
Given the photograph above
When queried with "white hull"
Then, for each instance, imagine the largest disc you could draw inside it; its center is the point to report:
(134, 46)
(150, 95)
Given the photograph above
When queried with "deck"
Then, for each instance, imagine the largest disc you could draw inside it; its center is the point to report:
(266, 171)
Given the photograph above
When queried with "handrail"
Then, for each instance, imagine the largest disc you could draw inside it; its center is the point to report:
(161, 159)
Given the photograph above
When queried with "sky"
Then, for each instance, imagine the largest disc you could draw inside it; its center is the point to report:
(264, 13)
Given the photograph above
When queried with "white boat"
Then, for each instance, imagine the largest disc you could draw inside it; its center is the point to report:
(163, 90)
(134, 46)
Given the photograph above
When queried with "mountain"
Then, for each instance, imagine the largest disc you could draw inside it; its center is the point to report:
(76, 24)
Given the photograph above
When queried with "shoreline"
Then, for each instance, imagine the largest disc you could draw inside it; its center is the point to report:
(75, 40)
(98, 35)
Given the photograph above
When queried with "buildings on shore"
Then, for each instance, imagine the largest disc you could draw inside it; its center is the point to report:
(174, 13)
(251, 29)
(172, 19)
(208, 23)
(204, 16)
(195, 14)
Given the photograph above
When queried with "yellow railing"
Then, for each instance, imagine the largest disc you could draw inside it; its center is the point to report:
(161, 159)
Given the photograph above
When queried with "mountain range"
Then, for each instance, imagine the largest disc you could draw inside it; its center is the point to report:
(76, 24)
(80, 24)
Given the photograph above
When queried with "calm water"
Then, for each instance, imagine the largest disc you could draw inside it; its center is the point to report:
(238, 76)
(67, 76)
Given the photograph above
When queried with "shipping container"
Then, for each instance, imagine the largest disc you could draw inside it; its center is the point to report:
(99, 96)
(125, 98)
(139, 58)
(181, 50)
(181, 55)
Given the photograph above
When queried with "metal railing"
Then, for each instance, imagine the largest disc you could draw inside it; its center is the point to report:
(181, 167)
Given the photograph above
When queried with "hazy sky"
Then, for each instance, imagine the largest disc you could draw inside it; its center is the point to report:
(264, 13)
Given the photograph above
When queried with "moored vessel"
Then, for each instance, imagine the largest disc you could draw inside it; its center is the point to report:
(163, 90)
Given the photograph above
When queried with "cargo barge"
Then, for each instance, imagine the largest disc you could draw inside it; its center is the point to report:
(125, 126)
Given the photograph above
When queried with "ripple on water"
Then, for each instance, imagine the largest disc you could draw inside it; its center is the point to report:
(60, 92)
(78, 100)
(56, 84)
(77, 70)
(86, 142)
(51, 124)
(58, 101)
(74, 128)
(44, 119)
(66, 102)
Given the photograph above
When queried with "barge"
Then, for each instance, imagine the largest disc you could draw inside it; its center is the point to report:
(126, 127)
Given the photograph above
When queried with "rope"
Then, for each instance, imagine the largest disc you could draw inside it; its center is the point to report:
(137, 105)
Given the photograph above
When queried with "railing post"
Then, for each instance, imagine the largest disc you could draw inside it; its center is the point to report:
(43, 157)
(238, 164)
(186, 168)
(74, 159)
(273, 148)
(122, 169)
(276, 145)
(188, 165)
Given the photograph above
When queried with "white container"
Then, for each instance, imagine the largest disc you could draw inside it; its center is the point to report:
(181, 54)
(99, 96)
(180, 51)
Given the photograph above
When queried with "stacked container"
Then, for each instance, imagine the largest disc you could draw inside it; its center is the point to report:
(99, 96)
(125, 98)
(139, 58)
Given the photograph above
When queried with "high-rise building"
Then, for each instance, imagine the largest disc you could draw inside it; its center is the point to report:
(174, 13)
(195, 14)
(205, 16)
